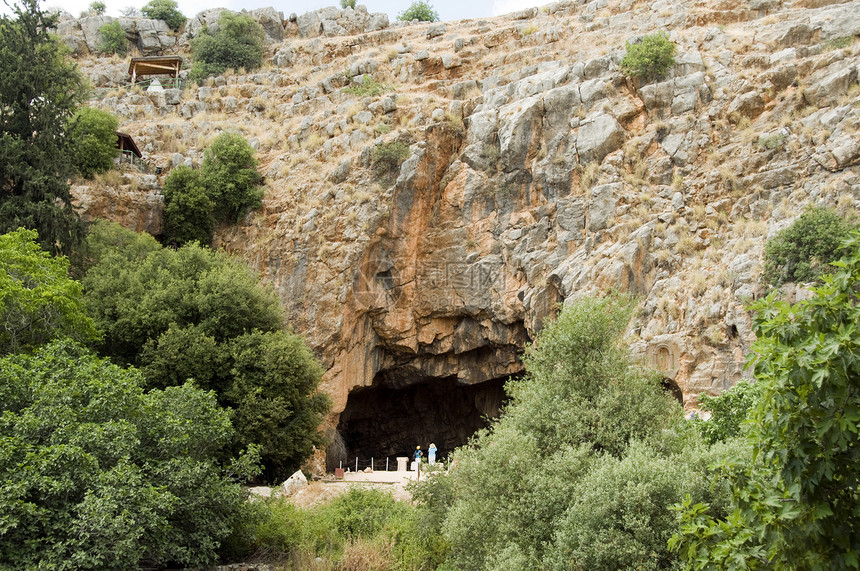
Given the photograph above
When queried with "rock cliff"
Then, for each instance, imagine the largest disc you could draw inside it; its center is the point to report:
(536, 172)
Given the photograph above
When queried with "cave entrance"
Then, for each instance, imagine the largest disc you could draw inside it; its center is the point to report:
(382, 422)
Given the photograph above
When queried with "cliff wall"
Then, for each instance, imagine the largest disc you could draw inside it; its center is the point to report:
(536, 172)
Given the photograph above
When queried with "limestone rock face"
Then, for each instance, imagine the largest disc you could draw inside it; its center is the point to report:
(530, 172)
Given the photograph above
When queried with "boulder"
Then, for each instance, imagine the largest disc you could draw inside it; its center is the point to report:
(597, 138)
(294, 483)
(271, 22)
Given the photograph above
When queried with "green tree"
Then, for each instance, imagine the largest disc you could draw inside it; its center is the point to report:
(188, 210)
(97, 474)
(93, 136)
(112, 39)
(796, 506)
(238, 43)
(803, 251)
(40, 89)
(98, 8)
(419, 10)
(38, 300)
(192, 313)
(347, 4)
(165, 10)
(577, 427)
(229, 173)
(650, 58)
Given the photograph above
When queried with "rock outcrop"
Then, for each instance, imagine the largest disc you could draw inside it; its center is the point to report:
(537, 172)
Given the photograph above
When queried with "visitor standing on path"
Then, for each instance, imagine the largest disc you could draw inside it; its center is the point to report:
(431, 454)
(418, 455)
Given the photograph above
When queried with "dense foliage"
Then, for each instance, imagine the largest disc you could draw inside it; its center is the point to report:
(97, 474)
(796, 506)
(98, 8)
(196, 314)
(38, 300)
(419, 10)
(581, 467)
(650, 58)
(729, 410)
(40, 89)
(165, 10)
(93, 137)
(803, 251)
(188, 210)
(238, 43)
(229, 173)
(112, 39)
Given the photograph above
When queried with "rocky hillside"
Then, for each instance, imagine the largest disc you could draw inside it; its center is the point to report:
(536, 172)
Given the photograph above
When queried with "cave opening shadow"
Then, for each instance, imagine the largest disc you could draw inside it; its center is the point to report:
(382, 422)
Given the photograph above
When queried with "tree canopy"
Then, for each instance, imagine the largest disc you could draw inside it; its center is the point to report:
(165, 10)
(40, 89)
(97, 474)
(38, 300)
(796, 506)
(193, 313)
(93, 138)
(579, 469)
(238, 43)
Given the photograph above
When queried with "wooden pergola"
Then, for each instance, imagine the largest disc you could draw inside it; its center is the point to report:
(126, 144)
(154, 65)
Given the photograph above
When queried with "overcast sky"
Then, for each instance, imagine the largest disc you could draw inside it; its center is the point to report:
(447, 9)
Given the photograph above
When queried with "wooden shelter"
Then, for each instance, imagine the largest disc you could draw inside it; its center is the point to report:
(126, 144)
(154, 65)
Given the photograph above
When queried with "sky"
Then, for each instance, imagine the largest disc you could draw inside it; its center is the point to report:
(447, 9)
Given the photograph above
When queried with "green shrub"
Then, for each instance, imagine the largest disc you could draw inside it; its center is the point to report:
(803, 251)
(421, 11)
(650, 58)
(229, 173)
(188, 210)
(237, 44)
(112, 39)
(368, 87)
(387, 158)
(93, 135)
(165, 10)
(728, 411)
(98, 8)
(347, 4)
(771, 142)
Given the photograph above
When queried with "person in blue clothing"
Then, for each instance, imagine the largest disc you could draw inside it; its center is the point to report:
(418, 455)
(431, 454)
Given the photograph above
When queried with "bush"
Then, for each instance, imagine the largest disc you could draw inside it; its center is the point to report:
(187, 208)
(229, 173)
(387, 158)
(112, 39)
(93, 135)
(237, 44)
(347, 4)
(803, 251)
(98, 474)
(419, 10)
(165, 10)
(368, 87)
(98, 8)
(650, 58)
